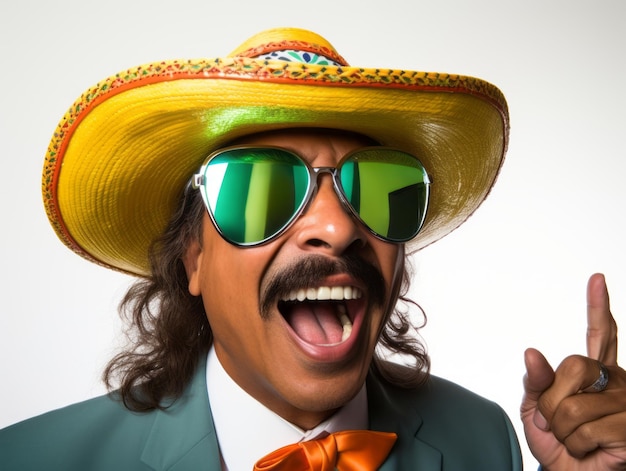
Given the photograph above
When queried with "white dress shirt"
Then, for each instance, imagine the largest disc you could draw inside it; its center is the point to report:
(247, 430)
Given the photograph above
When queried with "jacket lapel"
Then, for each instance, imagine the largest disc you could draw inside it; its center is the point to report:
(183, 437)
(392, 412)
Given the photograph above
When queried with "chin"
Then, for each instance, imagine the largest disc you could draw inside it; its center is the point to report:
(328, 394)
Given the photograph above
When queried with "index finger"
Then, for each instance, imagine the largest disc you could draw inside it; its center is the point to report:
(601, 327)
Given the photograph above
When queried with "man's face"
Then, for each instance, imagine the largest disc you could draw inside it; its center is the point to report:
(301, 359)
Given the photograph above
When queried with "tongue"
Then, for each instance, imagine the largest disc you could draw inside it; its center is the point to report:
(316, 323)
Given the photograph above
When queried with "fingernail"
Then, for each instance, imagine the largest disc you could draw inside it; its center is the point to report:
(540, 421)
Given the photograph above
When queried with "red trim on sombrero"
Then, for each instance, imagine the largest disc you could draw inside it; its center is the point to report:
(245, 68)
(296, 45)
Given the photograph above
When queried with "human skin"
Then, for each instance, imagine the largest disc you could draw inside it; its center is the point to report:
(567, 426)
(303, 381)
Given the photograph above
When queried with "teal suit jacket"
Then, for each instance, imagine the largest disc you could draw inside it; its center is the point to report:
(440, 427)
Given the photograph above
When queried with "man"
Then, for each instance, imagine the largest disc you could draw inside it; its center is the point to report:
(267, 202)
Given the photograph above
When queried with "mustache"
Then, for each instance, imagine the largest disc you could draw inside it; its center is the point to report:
(308, 272)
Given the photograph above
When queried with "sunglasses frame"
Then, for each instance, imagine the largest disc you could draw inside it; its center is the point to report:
(198, 183)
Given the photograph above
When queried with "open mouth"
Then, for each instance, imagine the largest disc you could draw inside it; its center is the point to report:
(323, 315)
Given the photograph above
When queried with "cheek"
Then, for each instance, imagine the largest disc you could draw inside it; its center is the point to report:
(228, 284)
(229, 300)
(231, 278)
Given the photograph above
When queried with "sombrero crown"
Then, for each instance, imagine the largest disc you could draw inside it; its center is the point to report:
(123, 153)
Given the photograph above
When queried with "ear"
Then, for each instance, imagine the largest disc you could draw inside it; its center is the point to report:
(192, 260)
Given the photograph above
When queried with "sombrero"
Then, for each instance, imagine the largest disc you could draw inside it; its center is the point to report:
(123, 153)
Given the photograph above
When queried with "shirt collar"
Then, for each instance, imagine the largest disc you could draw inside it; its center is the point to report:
(240, 419)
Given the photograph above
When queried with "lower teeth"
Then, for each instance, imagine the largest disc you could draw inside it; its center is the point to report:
(345, 322)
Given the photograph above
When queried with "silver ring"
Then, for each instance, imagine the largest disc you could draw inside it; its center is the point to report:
(602, 381)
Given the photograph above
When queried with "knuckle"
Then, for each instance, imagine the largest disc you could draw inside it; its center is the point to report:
(581, 441)
(573, 366)
(585, 434)
(572, 408)
(567, 416)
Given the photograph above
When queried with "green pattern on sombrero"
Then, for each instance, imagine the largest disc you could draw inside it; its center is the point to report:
(291, 55)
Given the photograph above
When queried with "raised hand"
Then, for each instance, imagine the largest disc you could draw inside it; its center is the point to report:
(569, 425)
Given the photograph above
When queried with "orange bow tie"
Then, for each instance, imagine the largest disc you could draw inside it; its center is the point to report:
(358, 450)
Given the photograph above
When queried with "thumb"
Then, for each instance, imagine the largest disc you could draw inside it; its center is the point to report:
(539, 376)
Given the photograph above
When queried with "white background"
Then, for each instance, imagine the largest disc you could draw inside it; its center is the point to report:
(513, 276)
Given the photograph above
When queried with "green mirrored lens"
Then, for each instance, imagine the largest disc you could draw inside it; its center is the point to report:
(388, 189)
(254, 193)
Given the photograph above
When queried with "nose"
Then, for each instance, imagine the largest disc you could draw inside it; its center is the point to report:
(327, 224)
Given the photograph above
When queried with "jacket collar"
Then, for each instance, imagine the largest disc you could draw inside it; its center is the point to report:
(395, 410)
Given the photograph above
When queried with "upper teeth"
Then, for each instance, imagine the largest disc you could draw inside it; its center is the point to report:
(324, 293)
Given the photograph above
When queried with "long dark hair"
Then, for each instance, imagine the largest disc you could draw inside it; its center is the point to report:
(168, 330)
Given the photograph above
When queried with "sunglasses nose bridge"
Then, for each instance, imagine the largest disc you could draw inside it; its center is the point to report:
(317, 172)
(334, 174)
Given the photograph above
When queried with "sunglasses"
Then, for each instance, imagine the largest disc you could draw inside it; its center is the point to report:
(253, 194)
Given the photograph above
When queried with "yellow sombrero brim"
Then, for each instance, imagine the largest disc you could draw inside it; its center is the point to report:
(123, 153)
